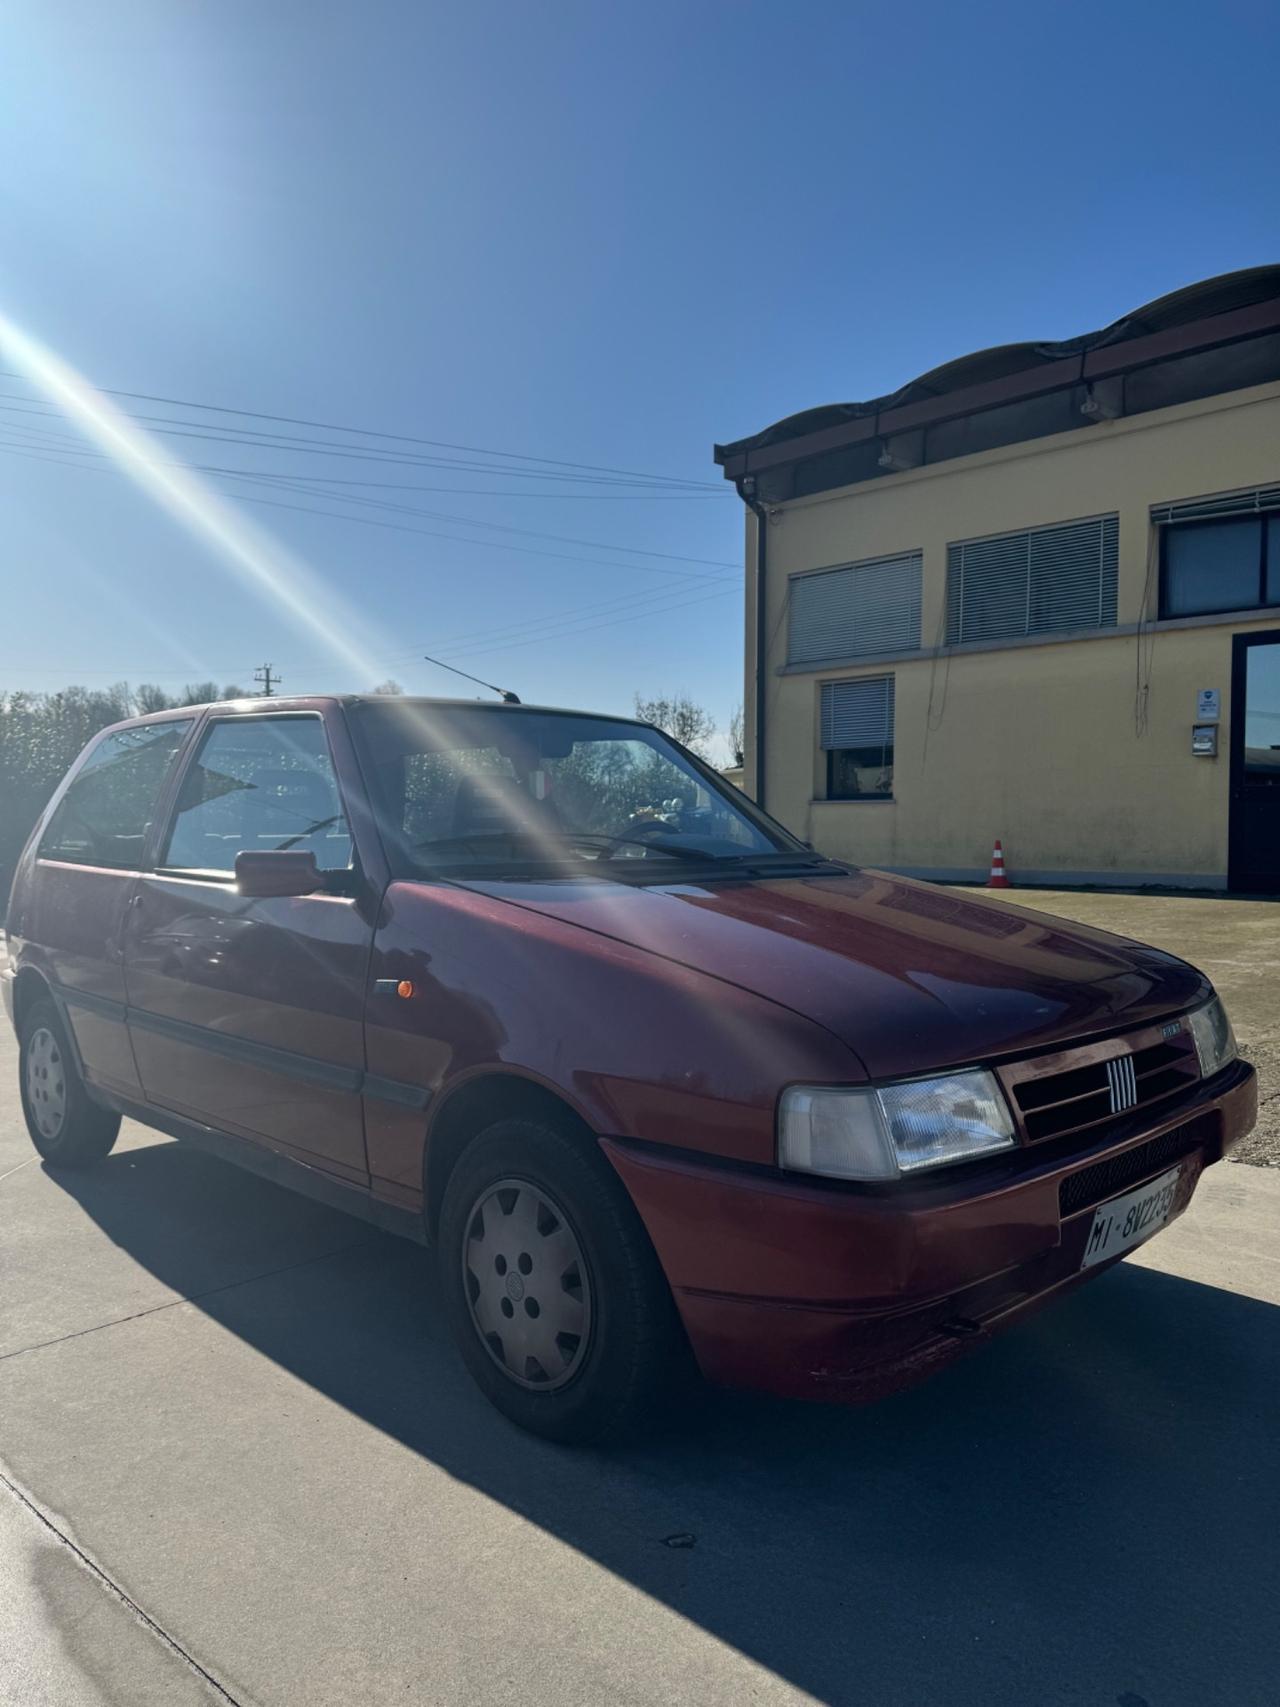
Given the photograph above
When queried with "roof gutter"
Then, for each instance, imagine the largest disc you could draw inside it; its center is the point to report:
(747, 492)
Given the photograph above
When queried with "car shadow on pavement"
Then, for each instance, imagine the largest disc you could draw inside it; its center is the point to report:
(1085, 1510)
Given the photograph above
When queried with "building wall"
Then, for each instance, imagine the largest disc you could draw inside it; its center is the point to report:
(1044, 744)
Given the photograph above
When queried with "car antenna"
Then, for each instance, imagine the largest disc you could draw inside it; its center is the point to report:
(507, 696)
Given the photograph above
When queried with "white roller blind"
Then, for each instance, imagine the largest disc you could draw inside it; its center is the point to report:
(858, 713)
(856, 611)
(1041, 581)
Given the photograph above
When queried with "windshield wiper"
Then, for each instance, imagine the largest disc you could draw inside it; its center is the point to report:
(597, 839)
(785, 865)
(476, 836)
(588, 838)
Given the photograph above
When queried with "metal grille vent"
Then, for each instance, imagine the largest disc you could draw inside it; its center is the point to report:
(1056, 1104)
(1109, 1178)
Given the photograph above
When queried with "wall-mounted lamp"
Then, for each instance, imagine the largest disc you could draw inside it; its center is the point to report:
(1100, 407)
(905, 450)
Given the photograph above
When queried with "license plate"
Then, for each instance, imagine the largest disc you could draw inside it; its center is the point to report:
(1127, 1221)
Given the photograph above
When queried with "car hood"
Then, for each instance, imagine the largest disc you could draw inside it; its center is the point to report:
(911, 977)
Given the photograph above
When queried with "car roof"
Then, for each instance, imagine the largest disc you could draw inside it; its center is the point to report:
(316, 702)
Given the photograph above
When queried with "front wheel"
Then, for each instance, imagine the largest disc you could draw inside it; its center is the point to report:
(67, 1127)
(555, 1296)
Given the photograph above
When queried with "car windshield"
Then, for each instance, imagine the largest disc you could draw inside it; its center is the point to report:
(500, 790)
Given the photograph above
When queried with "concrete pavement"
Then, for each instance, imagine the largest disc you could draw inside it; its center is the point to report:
(240, 1410)
(67, 1638)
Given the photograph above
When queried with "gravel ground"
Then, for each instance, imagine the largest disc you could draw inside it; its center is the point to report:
(1236, 943)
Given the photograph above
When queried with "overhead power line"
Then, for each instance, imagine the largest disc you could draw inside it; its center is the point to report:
(409, 438)
(634, 604)
(173, 427)
(633, 607)
(610, 622)
(401, 438)
(44, 444)
(487, 544)
(74, 441)
(292, 484)
(568, 627)
(104, 465)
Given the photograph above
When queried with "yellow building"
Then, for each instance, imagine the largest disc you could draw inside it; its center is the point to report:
(1035, 594)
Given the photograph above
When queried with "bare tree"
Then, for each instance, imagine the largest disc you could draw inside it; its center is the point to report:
(681, 717)
(736, 746)
(390, 686)
(149, 697)
(206, 693)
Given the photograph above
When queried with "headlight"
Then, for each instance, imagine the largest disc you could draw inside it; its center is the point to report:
(898, 1129)
(1215, 1040)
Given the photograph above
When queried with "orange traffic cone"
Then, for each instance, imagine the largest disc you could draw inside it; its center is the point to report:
(997, 880)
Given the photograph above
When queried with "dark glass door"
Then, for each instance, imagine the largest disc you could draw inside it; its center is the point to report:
(1254, 857)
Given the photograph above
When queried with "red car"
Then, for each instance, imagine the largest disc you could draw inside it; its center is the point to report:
(536, 988)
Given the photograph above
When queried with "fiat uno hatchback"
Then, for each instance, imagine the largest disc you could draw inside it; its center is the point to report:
(652, 1077)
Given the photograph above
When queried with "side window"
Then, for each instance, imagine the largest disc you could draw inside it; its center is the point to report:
(104, 816)
(259, 784)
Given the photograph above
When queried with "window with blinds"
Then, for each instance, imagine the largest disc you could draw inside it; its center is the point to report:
(857, 737)
(1220, 554)
(1252, 501)
(1041, 581)
(857, 611)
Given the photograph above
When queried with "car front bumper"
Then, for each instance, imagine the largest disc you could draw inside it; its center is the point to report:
(816, 1289)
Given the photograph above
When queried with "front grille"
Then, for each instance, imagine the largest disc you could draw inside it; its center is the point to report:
(1101, 1180)
(1054, 1104)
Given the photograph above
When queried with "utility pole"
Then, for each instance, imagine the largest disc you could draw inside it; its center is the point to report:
(268, 680)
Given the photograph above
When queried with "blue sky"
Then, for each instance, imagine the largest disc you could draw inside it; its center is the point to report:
(598, 233)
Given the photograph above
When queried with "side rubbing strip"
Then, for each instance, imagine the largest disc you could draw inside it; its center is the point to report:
(90, 1003)
(391, 1090)
(294, 1066)
(302, 1067)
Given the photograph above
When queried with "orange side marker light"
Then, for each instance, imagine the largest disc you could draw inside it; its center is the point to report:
(404, 989)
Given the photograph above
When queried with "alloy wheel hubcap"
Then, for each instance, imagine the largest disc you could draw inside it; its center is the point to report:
(46, 1083)
(527, 1284)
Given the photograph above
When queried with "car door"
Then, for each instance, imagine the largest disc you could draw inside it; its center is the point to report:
(75, 899)
(246, 1013)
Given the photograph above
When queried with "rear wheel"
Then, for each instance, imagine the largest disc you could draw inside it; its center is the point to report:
(556, 1298)
(66, 1126)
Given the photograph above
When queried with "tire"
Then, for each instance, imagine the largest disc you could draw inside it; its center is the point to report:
(555, 1296)
(67, 1127)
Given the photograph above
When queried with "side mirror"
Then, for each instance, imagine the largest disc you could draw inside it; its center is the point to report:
(266, 875)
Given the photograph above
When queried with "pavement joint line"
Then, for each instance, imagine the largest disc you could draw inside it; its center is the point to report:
(19, 1168)
(187, 1298)
(113, 1588)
